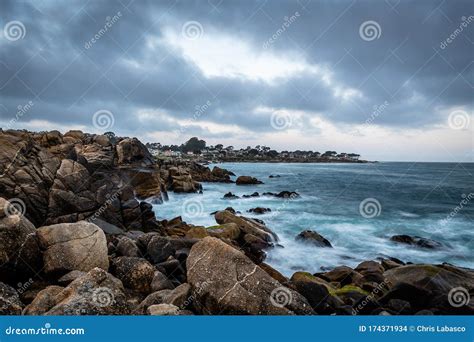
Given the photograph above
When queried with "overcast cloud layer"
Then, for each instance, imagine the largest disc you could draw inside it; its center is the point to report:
(391, 80)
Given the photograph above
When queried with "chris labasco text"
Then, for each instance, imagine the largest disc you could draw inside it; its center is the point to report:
(440, 328)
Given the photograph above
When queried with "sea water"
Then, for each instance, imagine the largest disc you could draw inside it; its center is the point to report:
(357, 207)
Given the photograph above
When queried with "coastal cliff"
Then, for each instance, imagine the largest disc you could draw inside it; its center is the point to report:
(78, 236)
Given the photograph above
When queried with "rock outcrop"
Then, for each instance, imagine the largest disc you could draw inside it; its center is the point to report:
(225, 281)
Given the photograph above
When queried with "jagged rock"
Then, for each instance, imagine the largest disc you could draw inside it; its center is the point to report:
(127, 247)
(255, 194)
(10, 303)
(68, 278)
(160, 282)
(314, 238)
(372, 271)
(416, 241)
(343, 275)
(23, 161)
(229, 231)
(45, 300)
(315, 292)
(132, 151)
(73, 246)
(96, 293)
(197, 233)
(247, 226)
(160, 248)
(247, 180)
(259, 210)
(135, 273)
(230, 195)
(225, 281)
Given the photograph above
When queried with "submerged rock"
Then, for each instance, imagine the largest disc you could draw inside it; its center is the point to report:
(247, 180)
(416, 241)
(314, 238)
(259, 210)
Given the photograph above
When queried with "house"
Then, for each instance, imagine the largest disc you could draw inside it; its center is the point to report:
(354, 156)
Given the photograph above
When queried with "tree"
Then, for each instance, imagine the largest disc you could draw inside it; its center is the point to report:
(219, 147)
(193, 145)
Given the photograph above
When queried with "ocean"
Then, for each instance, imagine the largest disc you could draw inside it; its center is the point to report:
(357, 207)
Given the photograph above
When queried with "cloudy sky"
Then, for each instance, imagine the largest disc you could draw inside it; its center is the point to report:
(390, 80)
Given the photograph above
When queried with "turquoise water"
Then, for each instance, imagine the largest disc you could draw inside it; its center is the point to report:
(403, 198)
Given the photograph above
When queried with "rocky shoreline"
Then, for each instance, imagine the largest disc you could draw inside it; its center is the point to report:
(78, 236)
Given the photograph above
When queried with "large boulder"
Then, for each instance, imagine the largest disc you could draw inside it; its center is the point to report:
(247, 180)
(78, 246)
(95, 293)
(225, 281)
(19, 252)
(436, 278)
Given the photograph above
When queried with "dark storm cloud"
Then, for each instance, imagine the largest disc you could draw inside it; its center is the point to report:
(120, 72)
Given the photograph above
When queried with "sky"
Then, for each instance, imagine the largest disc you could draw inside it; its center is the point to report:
(389, 80)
